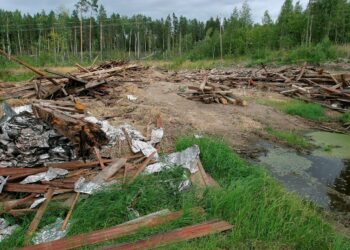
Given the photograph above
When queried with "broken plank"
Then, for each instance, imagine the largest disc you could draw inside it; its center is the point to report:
(142, 167)
(103, 235)
(175, 236)
(26, 188)
(39, 214)
(65, 222)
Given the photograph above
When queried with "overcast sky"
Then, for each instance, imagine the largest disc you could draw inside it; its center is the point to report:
(200, 9)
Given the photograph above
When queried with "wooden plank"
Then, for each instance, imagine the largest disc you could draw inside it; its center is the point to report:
(109, 171)
(142, 167)
(175, 236)
(26, 188)
(65, 222)
(39, 214)
(103, 235)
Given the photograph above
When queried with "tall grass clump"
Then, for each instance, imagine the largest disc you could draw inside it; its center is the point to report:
(264, 215)
(290, 138)
(310, 111)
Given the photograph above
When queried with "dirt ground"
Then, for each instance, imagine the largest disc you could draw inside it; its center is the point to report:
(242, 127)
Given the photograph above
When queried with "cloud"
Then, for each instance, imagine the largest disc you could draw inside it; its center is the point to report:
(200, 9)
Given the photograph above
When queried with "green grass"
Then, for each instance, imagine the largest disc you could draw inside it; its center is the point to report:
(8, 76)
(290, 138)
(264, 215)
(309, 111)
(345, 118)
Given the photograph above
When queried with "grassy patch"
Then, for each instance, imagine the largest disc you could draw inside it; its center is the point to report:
(290, 138)
(345, 118)
(181, 63)
(263, 214)
(9, 76)
(310, 111)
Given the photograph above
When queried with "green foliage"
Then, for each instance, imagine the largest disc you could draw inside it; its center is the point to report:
(291, 138)
(313, 112)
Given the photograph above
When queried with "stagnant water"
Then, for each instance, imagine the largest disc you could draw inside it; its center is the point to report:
(322, 177)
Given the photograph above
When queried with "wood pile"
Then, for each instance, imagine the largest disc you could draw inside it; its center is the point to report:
(213, 93)
(307, 83)
(93, 82)
(67, 118)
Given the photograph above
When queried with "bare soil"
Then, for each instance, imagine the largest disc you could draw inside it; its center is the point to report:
(240, 126)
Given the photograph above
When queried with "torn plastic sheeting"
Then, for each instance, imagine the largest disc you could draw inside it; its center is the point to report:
(25, 108)
(26, 141)
(157, 135)
(184, 185)
(131, 97)
(187, 158)
(51, 232)
(50, 174)
(8, 113)
(146, 148)
(37, 202)
(3, 181)
(110, 131)
(5, 229)
(132, 132)
(87, 187)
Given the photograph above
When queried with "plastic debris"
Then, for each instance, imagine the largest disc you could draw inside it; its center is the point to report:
(25, 108)
(131, 97)
(51, 232)
(187, 159)
(5, 229)
(37, 202)
(26, 141)
(51, 174)
(3, 181)
(146, 148)
(157, 135)
(87, 187)
(184, 185)
(8, 113)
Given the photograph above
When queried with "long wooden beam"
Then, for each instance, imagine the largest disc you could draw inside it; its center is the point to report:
(107, 234)
(178, 235)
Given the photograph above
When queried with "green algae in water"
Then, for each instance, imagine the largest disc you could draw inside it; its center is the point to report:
(332, 144)
(284, 162)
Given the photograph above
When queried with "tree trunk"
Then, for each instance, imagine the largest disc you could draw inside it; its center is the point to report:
(8, 38)
(81, 36)
(19, 42)
(101, 41)
(90, 37)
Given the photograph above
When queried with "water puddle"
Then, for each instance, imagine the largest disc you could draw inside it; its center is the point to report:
(322, 177)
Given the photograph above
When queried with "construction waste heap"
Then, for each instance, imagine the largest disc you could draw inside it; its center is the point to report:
(53, 149)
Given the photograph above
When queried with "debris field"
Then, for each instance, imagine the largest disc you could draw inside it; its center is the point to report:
(54, 149)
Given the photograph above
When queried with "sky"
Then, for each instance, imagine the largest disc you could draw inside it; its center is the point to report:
(200, 9)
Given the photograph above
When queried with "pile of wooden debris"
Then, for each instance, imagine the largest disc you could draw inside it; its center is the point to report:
(92, 82)
(210, 93)
(30, 188)
(306, 83)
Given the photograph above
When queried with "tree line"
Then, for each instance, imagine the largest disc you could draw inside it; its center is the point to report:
(88, 31)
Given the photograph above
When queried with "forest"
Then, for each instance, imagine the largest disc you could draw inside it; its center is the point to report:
(88, 31)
